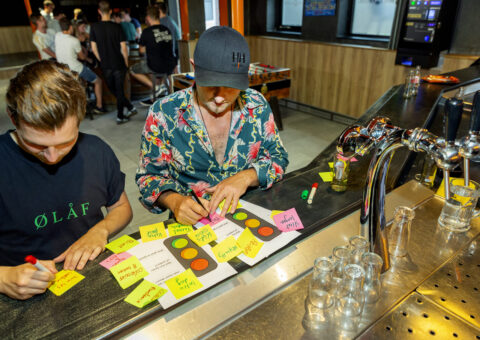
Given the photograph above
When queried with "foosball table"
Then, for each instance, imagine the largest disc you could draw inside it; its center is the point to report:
(273, 82)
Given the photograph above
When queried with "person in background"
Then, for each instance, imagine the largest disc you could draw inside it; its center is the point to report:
(69, 51)
(80, 31)
(138, 27)
(109, 45)
(168, 22)
(43, 37)
(217, 138)
(47, 11)
(71, 175)
(127, 27)
(156, 41)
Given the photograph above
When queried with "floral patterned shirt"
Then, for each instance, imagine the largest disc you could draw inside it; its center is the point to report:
(176, 152)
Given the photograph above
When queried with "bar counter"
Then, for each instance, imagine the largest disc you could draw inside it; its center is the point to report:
(95, 308)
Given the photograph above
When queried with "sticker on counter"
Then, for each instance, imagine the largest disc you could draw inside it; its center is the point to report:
(288, 220)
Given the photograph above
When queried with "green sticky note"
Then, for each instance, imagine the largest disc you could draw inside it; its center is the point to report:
(122, 244)
(326, 176)
(183, 284)
(175, 229)
(128, 272)
(145, 293)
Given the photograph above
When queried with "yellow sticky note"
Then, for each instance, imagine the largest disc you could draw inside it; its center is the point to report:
(227, 249)
(122, 244)
(64, 280)
(203, 236)
(249, 244)
(145, 293)
(153, 232)
(183, 284)
(222, 203)
(330, 165)
(179, 229)
(275, 212)
(326, 176)
(128, 272)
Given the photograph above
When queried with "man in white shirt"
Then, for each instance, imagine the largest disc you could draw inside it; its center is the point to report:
(43, 38)
(69, 51)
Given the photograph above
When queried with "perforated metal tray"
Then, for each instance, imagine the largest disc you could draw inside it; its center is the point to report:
(418, 318)
(456, 285)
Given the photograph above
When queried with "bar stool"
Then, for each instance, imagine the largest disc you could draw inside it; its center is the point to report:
(164, 79)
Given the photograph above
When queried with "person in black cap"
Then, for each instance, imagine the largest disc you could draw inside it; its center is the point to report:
(217, 138)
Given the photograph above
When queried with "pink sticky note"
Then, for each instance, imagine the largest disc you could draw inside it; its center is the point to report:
(114, 259)
(288, 220)
(343, 158)
(214, 219)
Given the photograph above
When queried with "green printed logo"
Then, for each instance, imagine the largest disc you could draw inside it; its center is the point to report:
(42, 220)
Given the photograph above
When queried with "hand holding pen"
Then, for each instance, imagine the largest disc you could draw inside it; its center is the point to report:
(197, 199)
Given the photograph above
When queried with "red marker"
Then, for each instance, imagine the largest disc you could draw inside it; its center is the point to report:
(31, 259)
(312, 193)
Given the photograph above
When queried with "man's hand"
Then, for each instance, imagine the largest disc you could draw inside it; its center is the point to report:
(88, 247)
(24, 281)
(231, 189)
(185, 209)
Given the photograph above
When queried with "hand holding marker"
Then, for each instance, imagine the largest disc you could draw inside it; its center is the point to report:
(31, 259)
(196, 199)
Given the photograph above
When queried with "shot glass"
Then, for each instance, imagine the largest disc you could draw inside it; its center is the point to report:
(459, 209)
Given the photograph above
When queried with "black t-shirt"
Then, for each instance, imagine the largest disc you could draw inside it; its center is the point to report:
(108, 36)
(159, 45)
(46, 208)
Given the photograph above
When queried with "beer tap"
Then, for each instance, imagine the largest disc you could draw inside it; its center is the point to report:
(470, 145)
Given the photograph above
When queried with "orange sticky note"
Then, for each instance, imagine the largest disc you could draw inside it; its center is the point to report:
(203, 236)
(145, 293)
(326, 176)
(64, 280)
(227, 249)
(249, 244)
(183, 284)
(152, 232)
(122, 244)
(128, 272)
(179, 229)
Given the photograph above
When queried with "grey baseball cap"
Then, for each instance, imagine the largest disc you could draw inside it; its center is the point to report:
(222, 58)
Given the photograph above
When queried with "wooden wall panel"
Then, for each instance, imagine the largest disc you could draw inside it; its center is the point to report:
(15, 39)
(339, 78)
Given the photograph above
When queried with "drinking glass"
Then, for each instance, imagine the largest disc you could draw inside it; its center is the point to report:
(349, 305)
(400, 231)
(341, 170)
(372, 286)
(358, 245)
(341, 257)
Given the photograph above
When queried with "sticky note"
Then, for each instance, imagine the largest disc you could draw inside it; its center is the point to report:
(330, 165)
(275, 212)
(179, 229)
(145, 293)
(326, 176)
(64, 280)
(128, 272)
(122, 244)
(152, 232)
(249, 243)
(288, 220)
(343, 158)
(227, 249)
(114, 259)
(183, 284)
(214, 219)
(202, 236)
(222, 203)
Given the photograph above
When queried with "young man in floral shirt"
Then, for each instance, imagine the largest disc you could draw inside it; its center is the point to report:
(217, 138)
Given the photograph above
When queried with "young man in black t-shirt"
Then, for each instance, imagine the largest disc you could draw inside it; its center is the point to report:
(109, 45)
(157, 42)
(54, 181)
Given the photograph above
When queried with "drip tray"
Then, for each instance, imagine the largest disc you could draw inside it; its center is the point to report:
(418, 318)
(456, 285)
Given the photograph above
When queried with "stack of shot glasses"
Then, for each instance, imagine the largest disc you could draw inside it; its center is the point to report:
(340, 287)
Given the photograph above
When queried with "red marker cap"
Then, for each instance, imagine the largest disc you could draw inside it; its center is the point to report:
(315, 185)
(30, 259)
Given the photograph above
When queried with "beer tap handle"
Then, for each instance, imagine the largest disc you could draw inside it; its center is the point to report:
(475, 115)
(453, 115)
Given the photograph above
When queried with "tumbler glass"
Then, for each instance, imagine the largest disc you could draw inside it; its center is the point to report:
(372, 287)
(349, 305)
(319, 303)
(358, 245)
(341, 170)
(400, 231)
(341, 257)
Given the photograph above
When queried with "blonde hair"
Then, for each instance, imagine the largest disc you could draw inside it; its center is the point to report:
(44, 93)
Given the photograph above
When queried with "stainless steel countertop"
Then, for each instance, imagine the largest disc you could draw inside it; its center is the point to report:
(285, 271)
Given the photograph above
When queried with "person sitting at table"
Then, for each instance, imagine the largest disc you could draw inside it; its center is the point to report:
(216, 138)
(43, 38)
(157, 42)
(54, 181)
